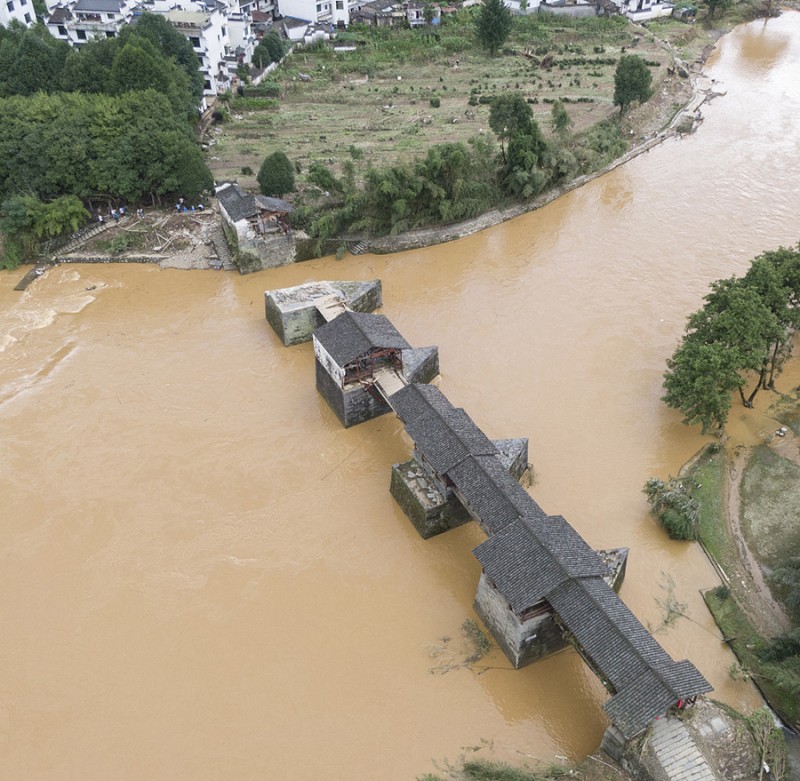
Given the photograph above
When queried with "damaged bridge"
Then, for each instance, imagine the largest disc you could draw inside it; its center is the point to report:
(542, 587)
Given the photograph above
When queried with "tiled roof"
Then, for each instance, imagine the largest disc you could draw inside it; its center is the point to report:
(533, 555)
(445, 435)
(492, 495)
(60, 15)
(353, 334)
(102, 6)
(239, 205)
(646, 680)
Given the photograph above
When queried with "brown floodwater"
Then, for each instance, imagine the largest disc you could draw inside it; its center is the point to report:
(204, 576)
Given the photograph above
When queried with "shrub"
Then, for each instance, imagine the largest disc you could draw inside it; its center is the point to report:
(674, 506)
(435, 102)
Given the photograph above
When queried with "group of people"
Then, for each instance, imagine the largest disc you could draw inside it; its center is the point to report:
(117, 213)
(182, 206)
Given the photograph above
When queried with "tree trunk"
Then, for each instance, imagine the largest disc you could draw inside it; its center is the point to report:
(773, 362)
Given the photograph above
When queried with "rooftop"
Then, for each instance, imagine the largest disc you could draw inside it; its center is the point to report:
(238, 204)
(646, 680)
(445, 435)
(532, 555)
(98, 6)
(353, 334)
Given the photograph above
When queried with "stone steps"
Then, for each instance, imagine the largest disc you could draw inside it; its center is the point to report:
(677, 753)
(220, 245)
(359, 248)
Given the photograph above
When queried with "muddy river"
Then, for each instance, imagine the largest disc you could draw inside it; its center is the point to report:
(203, 576)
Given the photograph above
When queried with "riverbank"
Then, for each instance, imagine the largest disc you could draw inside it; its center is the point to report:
(672, 111)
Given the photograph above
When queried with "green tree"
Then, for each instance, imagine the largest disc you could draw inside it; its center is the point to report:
(699, 381)
(172, 44)
(509, 116)
(276, 175)
(717, 5)
(63, 215)
(787, 578)
(631, 81)
(561, 119)
(736, 318)
(674, 507)
(17, 220)
(493, 25)
(270, 49)
(88, 69)
(323, 177)
(35, 64)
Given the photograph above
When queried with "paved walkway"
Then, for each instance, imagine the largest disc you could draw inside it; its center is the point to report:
(677, 752)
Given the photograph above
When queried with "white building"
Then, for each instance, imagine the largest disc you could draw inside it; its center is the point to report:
(222, 37)
(83, 20)
(642, 10)
(333, 12)
(17, 10)
(207, 31)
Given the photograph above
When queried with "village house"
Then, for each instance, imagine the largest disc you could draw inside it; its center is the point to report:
(83, 20)
(17, 10)
(445, 439)
(521, 564)
(352, 351)
(222, 36)
(256, 226)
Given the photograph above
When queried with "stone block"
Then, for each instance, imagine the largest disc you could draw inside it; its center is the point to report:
(293, 314)
(427, 508)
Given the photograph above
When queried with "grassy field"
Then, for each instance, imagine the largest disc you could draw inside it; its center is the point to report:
(769, 494)
(377, 105)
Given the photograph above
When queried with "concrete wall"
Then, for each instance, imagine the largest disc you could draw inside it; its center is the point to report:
(421, 364)
(293, 326)
(257, 253)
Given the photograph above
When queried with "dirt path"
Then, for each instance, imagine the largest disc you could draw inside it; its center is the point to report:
(746, 578)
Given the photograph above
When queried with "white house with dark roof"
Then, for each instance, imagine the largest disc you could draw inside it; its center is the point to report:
(84, 20)
(17, 11)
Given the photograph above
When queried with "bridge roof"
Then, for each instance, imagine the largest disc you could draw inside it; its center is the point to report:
(533, 555)
(445, 435)
(353, 334)
(643, 675)
(491, 493)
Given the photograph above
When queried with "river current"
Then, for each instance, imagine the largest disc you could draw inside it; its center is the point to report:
(202, 575)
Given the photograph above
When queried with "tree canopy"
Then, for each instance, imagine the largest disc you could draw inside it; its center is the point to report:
(741, 336)
(131, 146)
(493, 25)
(269, 49)
(509, 116)
(631, 81)
(276, 175)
